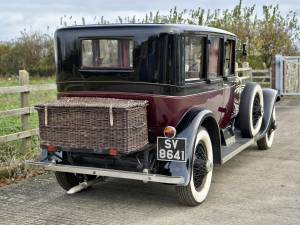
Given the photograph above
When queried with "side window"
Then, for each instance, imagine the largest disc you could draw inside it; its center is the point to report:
(194, 55)
(229, 57)
(214, 57)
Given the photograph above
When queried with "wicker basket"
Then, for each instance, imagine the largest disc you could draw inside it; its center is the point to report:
(94, 124)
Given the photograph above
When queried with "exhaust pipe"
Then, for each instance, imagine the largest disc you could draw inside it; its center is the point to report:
(84, 185)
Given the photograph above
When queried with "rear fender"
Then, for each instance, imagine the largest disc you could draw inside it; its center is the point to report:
(188, 129)
(270, 97)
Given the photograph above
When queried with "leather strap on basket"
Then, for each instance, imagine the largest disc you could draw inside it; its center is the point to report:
(111, 117)
(46, 116)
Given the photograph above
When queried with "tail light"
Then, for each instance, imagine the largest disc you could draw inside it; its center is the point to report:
(170, 132)
(51, 148)
(113, 152)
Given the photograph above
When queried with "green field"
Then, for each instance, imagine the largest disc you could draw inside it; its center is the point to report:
(10, 152)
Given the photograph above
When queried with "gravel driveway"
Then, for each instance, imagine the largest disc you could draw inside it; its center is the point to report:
(255, 187)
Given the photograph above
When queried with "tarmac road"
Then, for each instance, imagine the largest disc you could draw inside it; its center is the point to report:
(255, 187)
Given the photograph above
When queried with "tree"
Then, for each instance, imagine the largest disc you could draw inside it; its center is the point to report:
(276, 34)
(271, 34)
(31, 51)
(4, 49)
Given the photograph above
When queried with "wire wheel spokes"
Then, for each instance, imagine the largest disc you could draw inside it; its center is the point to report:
(200, 165)
(256, 110)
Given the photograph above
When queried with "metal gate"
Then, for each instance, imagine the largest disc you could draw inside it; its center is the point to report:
(287, 80)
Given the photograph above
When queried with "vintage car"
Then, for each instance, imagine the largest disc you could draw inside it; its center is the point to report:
(150, 102)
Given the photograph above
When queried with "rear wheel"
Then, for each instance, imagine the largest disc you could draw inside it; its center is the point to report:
(251, 110)
(69, 180)
(267, 141)
(66, 180)
(201, 173)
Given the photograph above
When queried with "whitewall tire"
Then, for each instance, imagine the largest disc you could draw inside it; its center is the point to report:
(251, 110)
(201, 173)
(266, 141)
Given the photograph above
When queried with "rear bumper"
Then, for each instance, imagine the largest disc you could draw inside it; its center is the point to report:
(146, 177)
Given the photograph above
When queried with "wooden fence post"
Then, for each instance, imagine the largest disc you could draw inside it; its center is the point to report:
(247, 73)
(25, 119)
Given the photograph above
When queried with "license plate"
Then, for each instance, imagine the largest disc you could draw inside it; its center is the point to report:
(171, 149)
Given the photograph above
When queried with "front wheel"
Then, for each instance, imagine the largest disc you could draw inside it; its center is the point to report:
(201, 173)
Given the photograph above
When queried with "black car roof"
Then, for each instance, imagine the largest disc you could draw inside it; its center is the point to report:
(168, 28)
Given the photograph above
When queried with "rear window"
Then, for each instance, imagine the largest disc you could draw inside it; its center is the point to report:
(107, 54)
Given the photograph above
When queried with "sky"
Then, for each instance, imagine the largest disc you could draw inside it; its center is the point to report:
(44, 15)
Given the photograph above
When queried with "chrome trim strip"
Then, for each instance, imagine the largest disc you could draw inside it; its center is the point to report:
(146, 177)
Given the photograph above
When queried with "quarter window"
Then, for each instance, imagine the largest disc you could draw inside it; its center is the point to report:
(194, 52)
(214, 57)
(107, 54)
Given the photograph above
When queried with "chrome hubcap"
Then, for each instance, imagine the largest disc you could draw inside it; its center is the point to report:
(209, 166)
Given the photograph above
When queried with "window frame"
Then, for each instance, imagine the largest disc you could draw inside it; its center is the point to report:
(204, 58)
(104, 69)
(220, 57)
(233, 55)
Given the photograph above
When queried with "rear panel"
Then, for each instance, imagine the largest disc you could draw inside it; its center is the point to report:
(153, 60)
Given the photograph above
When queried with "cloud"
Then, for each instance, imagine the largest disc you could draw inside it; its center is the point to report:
(38, 15)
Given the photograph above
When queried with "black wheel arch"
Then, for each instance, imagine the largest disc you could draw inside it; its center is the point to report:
(212, 127)
(188, 128)
(270, 98)
(207, 121)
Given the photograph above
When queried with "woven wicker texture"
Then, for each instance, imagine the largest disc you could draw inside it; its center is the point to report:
(94, 123)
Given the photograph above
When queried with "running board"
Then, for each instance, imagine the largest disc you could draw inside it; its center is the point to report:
(228, 152)
(143, 176)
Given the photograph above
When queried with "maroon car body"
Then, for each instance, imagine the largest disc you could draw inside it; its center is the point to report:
(171, 94)
(169, 110)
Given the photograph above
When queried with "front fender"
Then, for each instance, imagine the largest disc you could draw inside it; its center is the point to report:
(189, 131)
(270, 96)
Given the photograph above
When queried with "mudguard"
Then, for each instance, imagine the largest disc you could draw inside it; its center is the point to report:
(188, 128)
(270, 96)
